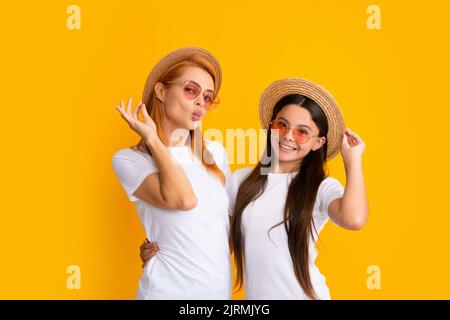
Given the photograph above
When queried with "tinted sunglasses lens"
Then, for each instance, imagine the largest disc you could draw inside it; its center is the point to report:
(279, 127)
(191, 90)
(208, 98)
(300, 136)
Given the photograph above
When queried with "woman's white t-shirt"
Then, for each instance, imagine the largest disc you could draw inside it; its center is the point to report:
(268, 267)
(193, 261)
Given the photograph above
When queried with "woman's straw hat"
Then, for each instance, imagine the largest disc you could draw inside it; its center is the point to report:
(322, 97)
(175, 57)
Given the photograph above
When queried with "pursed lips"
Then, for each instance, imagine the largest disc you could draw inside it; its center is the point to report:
(196, 115)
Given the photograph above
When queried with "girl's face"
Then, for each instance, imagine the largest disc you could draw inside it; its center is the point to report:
(289, 144)
(183, 110)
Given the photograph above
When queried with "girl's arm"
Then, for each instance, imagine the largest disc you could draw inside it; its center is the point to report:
(169, 188)
(351, 211)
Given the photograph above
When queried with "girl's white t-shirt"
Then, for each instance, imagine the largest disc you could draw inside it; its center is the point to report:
(193, 261)
(268, 267)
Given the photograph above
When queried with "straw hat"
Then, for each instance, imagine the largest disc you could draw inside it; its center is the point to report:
(323, 98)
(172, 58)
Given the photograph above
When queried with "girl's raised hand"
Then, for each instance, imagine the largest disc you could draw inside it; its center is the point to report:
(145, 128)
(352, 146)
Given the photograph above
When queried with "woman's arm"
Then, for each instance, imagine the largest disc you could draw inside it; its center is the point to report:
(169, 188)
(351, 211)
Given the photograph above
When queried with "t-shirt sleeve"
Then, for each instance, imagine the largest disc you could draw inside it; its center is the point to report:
(233, 185)
(132, 168)
(221, 158)
(329, 190)
(232, 193)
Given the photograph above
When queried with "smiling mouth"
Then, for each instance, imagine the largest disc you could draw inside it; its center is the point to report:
(286, 148)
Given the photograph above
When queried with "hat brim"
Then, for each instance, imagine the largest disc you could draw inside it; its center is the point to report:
(322, 97)
(175, 57)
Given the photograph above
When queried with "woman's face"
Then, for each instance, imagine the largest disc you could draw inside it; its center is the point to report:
(287, 147)
(182, 112)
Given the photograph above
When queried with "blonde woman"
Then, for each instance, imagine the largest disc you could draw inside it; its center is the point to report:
(177, 180)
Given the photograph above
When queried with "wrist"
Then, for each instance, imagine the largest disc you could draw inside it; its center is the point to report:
(353, 161)
(152, 142)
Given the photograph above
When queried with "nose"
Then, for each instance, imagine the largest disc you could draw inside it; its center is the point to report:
(200, 101)
(289, 136)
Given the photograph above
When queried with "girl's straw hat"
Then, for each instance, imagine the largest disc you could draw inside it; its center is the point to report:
(322, 97)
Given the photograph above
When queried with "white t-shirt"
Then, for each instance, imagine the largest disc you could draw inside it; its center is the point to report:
(268, 267)
(194, 257)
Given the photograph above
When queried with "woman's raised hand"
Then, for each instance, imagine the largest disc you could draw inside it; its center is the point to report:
(145, 128)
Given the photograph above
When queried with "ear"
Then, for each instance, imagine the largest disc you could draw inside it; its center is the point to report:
(319, 143)
(159, 91)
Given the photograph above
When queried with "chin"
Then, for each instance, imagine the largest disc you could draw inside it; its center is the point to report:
(196, 124)
(284, 158)
(191, 124)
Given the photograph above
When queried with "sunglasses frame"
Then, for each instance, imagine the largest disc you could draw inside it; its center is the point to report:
(288, 128)
(216, 99)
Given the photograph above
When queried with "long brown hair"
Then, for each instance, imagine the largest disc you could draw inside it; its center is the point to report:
(155, 109)
(298, 211)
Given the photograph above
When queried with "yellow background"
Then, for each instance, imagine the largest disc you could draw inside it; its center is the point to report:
(62, 205)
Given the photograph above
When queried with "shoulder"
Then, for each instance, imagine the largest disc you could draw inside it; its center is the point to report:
(329, 189)
(130, 155)
(235, 181)
(241, 174)
(130, 152)
(329, 182)
(219, 155)
(215, 147)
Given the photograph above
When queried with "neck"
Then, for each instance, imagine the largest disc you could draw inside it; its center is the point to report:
(176, 136)
(285, 166)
